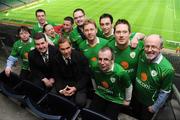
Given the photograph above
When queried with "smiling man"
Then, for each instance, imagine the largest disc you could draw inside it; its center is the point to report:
(40, 60)
(106, 24)
(51, 36)
(77, 35)
(125, 55)
(72, 73)
(41, 18)
(91, 46)
(114, 88)
(153, 80)
(21, 49)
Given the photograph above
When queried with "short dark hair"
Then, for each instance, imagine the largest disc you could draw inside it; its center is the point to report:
(40, 10)
(44, 27)
(39, 35)
(24, 28)
(106, 15)
(122, 21)
(63, 40)
(68, 18)
(79, 9)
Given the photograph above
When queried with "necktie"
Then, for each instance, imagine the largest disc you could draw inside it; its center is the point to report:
(45, 56)
(68, 61)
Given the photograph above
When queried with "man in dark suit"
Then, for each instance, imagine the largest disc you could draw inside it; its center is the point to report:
(72, 73)
(40, 60)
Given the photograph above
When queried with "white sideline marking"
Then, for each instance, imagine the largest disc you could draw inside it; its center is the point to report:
(174, 9)
(33, 7)
(163, 30)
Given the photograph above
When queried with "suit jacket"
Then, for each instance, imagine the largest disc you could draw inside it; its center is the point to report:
(75, 74)
(39, 69)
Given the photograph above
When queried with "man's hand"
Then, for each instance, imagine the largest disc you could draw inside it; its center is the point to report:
(64, 91)
(71, 90)
(47, 82)
(126, 103)
(134, 42)
(150, 109)
(8, 71)
(51, 80)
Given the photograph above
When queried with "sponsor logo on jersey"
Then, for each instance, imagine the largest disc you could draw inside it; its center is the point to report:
(144, 85)
(113, 80)
(20, 47)
(26, 55)
(132, 54)
(93, 59)
(115, 51)
(124, 64)
(105, 84)
(153, 73)
(130, 70)
(143, 76)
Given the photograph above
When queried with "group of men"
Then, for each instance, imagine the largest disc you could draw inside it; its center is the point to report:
(129, 71)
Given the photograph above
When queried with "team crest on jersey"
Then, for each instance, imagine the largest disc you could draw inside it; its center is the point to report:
(105, 84)
(143, 76)
(94, 59)
(124, 64)
(153, 73)
(113, 80)
(132, 54)
(115, 51)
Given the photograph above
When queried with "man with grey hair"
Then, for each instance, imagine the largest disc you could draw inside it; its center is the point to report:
(153, 80)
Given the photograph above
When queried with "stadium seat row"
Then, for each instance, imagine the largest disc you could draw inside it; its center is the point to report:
(44, 105)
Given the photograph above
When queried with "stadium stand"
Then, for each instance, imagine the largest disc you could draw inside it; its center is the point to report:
(175, 60)
(6, 4)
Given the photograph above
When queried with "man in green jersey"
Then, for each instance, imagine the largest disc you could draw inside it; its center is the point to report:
(93, 44)
(41, 17)
(77, 35)
(21, 49)
(114, 88)
(153, 80)
(51, 36)
(65, 29)
(106, 24)
(125, 55)
(107, 31)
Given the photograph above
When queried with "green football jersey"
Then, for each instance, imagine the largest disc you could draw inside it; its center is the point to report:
(92, 52)
(55, 40)
(132, 35)
(38, 28)
(76, 38)
(109, 38)
(151, 78)
(21, 49)
(111, 85)
(127, 58)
